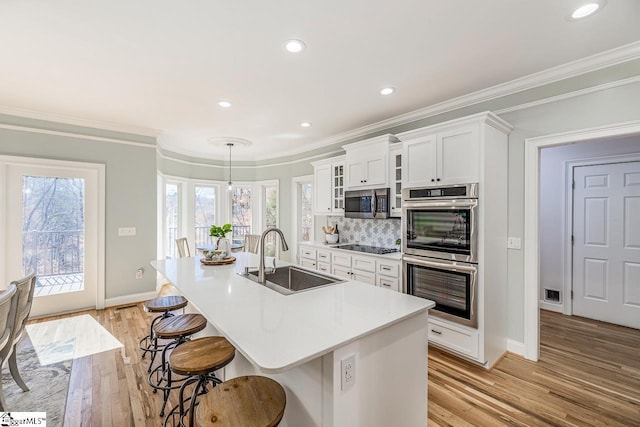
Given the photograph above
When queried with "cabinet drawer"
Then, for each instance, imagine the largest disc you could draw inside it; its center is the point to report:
(339, 258)
(363, 264)
(324, 266)
(364, 276)
(388, 283)
(390, 269)
(324, 256)
(309, 263)
(457, 339)
(344, 272)
(308, 253)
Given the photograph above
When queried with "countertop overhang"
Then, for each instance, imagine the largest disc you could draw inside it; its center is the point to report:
(277, 332)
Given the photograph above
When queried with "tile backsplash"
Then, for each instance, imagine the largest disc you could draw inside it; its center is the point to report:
(372, 232)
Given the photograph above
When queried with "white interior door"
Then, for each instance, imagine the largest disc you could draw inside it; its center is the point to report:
(53, 228)
(606, 254)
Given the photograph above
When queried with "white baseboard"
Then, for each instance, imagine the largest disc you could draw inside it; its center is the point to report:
(551, 306)
(129, 299)
(515, 347)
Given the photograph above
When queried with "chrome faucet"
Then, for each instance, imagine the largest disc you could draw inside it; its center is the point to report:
(261, 275)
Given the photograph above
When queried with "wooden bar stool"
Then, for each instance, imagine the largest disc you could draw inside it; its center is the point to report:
(178, 329)
(164, 305)
(250, 401)
(197, 359)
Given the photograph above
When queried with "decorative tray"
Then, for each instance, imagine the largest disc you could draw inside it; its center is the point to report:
(227, 260)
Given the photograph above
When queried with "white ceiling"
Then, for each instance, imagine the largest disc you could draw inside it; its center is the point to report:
(162, 65)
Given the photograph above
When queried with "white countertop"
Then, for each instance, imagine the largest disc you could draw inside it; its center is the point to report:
(277, 332)
(396, 256)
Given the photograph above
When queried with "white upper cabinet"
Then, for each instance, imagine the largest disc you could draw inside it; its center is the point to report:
(448, 153)
(419, 161)
(328, 186)
(395, 179)
(366, 164)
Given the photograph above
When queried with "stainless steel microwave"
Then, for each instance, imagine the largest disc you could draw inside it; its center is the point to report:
(367, 203)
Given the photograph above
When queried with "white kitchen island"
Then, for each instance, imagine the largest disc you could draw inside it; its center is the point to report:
(300, 340)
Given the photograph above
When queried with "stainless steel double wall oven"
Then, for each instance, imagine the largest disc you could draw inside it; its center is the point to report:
(440, 262)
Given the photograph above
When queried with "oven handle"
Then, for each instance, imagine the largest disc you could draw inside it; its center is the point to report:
(418, 261)
(462, 203)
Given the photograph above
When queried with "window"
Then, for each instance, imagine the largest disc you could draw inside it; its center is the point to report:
(188, 208)
(204, 213)
(306, 212)
(270, 197)
(241, 211)
(171, 217)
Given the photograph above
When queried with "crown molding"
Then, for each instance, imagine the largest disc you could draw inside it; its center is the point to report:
(253, 166)
(575, 68)
(76, 135)
(76, 121)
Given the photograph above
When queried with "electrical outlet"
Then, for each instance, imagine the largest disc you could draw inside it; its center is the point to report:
(126, 231)
(513, 243)
(348, 371)
(139, 273)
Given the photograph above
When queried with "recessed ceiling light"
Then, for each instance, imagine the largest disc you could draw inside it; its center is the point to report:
(294, 46)
(305, 124)
(587, 9)
(387, 91)
(224, 104)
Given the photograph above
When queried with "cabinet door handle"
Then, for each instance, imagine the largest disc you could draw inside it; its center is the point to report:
(437, 179)
(436, 332)
(433, 180)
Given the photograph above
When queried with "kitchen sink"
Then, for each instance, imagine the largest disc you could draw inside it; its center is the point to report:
(291, 279)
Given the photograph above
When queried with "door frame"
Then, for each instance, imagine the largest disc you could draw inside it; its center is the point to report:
(532, 147)
(569, 169)
(99, 170)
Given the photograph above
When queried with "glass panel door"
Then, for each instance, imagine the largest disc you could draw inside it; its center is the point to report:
(53, 229)
(53, 233)
(241, 211)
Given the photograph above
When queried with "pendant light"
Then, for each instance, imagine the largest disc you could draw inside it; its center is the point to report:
(229, 144)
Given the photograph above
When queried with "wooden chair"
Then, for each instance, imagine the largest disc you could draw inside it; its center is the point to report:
(25, 289)
(183, 247)
(8, 308)
(251, 243)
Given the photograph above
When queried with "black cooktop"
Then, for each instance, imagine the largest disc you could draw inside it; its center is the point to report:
(368, 249)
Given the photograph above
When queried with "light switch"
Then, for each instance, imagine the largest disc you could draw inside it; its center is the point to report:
(513, 243)
(126, 231)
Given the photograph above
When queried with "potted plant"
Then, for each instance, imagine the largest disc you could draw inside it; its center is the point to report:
(219, 232)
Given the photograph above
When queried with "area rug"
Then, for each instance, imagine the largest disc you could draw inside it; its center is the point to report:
(48, 384)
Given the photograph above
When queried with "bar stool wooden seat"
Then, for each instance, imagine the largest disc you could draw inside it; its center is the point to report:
(178, 329)
(249, 401)
(198, 359)
(164, 305)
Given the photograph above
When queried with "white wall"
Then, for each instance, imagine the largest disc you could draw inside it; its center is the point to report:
(552, 200)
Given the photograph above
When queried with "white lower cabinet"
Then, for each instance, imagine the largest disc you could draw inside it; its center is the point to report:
(308, 263)
(454, 337)
(324, 267)
(367, 269)
(354, 267)
(388, 283)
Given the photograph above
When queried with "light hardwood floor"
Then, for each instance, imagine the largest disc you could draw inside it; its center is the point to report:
(588, 375)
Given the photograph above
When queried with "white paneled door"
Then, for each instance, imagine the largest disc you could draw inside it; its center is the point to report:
(53, 228)
(606, 253)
